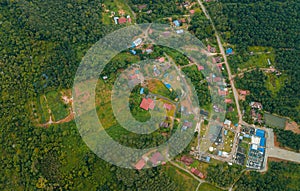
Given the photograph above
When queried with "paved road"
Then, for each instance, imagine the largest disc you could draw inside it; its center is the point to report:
(235, 93)
(273, 151)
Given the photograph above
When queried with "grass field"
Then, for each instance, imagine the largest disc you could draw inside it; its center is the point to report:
(186, 181)
(58, 108)
(228, 140)
(274, 83)
(42, 110)
(275, 121)
(208, 187)
(259, 58)
(159, 88)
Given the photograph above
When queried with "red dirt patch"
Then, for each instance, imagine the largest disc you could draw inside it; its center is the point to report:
(293, 126)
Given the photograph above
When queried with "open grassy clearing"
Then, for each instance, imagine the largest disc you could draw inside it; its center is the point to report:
(275, 121)
(186, 181)
(228, 141)
(159, 88)
(115, 6)
(208, 187)
(275, 83)
(58, 108)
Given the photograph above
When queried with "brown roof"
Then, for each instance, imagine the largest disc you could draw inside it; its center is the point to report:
(187, 160)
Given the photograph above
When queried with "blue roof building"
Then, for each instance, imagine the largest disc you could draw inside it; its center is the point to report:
(262, 142)
(261, 150)
(229, 51)
(176, 23)
(260, 133)
(225, 132)
(133, 52)
(207, 159)
(168, 85)
(142, 91)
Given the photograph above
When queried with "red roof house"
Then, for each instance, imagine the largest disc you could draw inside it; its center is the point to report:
(168, 106)
(122, 20)
(162, 59)
(200, 68)
(197, 173)
(243, 92)
(139, 165)
(147, 103)
(217, 79)
(192, 11)
(222, 92)
(187, 160)
(156, 158)
(228, 100)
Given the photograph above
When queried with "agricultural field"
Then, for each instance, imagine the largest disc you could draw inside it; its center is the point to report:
(275, 121)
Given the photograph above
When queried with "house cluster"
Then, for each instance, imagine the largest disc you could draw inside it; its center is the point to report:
(255, 112)
(156, 159)
(188, 161)
(211, 49)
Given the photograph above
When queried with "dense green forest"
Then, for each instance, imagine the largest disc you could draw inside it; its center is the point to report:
(258, 23)
(280, 176)
(49, 38)
(157, 10)
(42, 43)
(253, 23)
(288, 139)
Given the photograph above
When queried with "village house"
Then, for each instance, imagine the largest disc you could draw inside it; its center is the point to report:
(197, 173)
(147, 103)
(256, 105)
(140, 164)
(156, 158)
(187, 160)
